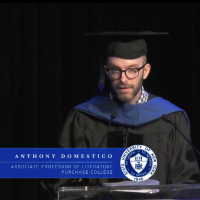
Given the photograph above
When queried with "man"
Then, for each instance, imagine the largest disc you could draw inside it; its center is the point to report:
(138, 121)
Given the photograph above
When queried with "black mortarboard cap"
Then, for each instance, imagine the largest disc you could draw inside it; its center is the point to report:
(125, 45)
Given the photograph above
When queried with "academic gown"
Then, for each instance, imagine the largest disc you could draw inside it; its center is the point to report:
(87, 124)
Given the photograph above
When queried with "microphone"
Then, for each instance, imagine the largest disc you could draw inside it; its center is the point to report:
(112, 116)
(166, 119)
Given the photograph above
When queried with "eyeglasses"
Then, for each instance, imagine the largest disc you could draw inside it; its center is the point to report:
(131, 73)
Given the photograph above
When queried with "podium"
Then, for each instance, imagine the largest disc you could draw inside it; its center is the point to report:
(171, 191)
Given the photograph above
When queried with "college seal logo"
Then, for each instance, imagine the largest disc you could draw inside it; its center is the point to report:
(138, 163)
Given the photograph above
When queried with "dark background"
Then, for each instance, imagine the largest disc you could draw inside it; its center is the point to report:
(47, 66)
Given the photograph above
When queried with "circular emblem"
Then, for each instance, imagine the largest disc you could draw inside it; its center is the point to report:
(138, 163)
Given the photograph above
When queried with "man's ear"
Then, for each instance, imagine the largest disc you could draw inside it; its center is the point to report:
(105, 67)
(147, 70)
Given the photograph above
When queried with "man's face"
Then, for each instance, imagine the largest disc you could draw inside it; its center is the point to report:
(125, 89)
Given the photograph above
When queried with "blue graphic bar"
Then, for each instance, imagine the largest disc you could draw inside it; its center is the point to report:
(61, 162)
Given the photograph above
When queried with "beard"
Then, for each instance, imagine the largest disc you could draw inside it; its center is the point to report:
(126, 97)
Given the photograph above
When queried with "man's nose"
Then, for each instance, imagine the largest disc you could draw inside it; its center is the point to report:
(123, 77)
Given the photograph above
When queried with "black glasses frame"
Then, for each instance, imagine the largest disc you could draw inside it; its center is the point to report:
(138, 69)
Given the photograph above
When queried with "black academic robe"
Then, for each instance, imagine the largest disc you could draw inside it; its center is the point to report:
(176, 161)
